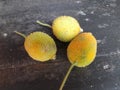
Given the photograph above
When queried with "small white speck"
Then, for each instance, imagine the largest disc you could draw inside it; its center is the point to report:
(77, 2)
(103, 25)
(107, 5)
(106, 14)
(5, 34)
(91, 86)
(114, 53)
(103, 41)
(99, 41)
(87, 19)
(92, 12)
(106, 66)
(81, 13)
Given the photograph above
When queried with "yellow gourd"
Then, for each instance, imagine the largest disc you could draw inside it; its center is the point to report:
(81, 52)
(40, 46)
(82, 49)
(65, 28)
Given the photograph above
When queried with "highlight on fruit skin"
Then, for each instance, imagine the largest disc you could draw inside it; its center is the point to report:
(40, 46)
(65, 28)
(82, 49)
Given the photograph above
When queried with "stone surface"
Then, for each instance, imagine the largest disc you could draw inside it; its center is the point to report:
(19, 72)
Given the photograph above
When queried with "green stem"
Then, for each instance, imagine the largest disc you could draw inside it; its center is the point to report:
(43, 24)
(66, 76)
(20, 34)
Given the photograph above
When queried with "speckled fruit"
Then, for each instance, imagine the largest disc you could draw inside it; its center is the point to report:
(82, 49)
(65, 28)
(40, 46)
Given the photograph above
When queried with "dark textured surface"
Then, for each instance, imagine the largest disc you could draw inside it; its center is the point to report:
(19, 72)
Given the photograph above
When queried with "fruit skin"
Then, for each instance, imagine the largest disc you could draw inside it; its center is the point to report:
(65, 28)
(82, 49)
(40, 46)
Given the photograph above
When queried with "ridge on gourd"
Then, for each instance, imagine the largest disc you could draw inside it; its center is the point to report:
(65, 28)
(39, 46)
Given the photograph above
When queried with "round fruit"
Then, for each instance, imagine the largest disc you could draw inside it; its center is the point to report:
(40, 46)
(82, 49)
(65, 28)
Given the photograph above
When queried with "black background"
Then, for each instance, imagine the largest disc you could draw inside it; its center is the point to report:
(19, 72)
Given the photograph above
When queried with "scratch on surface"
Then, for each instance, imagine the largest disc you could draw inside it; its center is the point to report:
(81, 13)
(108, 68)
(103, 41)
(106, 14)
(110, 54)
(78, 2)
(16, 65)
(103, 25)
